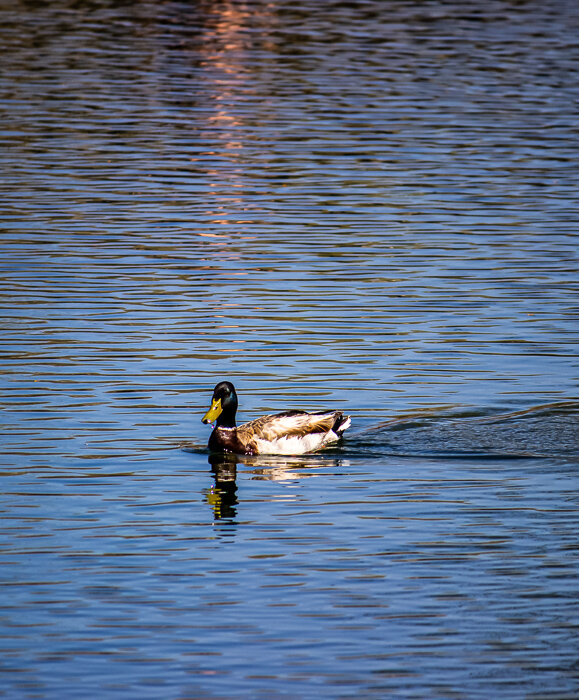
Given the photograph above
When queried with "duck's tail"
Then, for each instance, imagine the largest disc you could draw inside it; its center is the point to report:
(341, 423)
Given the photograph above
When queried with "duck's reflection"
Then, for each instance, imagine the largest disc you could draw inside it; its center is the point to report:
(222, 496)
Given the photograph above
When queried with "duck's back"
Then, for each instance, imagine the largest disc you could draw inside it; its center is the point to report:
(292, 432)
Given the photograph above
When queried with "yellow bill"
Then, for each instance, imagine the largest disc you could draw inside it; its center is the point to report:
(214, 412)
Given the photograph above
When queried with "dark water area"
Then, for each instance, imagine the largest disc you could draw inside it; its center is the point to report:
(369, 206)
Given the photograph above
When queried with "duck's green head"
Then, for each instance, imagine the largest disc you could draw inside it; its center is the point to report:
(223, 406)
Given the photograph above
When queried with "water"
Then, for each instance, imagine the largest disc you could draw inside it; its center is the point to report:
(368, 206)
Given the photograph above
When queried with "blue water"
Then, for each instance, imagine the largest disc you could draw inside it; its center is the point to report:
(364, 206)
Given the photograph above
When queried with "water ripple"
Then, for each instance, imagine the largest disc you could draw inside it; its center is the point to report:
(358, 205)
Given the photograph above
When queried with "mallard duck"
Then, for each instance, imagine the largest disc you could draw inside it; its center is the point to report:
(288, 433)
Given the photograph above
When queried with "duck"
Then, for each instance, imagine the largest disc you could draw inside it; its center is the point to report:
(289, 433)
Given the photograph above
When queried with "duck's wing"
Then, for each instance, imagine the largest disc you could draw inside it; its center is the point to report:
(292, 424)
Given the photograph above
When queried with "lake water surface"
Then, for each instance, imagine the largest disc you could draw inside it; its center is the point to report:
(370, 206)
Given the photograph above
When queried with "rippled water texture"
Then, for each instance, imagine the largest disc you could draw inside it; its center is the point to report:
(370, 206)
